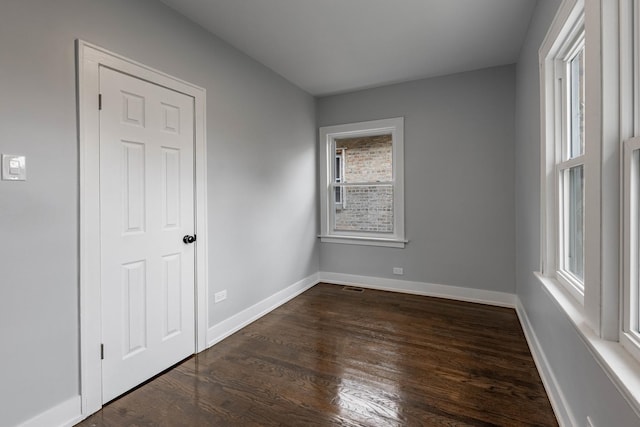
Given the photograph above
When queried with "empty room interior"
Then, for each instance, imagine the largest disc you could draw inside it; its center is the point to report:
(362, 212)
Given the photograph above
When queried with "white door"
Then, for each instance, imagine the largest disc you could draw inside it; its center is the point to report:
(146, 207)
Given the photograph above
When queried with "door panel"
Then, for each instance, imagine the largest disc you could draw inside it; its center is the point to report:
(170, 188)
(146, 207)
(134, 301)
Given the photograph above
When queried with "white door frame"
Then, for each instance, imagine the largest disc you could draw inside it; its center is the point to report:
(89, 59)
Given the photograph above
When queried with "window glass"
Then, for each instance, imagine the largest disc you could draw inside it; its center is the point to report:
(365, 187)
(367, 159)
(369, 208)
(575, 222)
(576, 77)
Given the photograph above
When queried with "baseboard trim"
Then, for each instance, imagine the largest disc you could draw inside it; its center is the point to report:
(556, 397)
(64, 414)
(222, 330)
(480, 296)
(69, 412)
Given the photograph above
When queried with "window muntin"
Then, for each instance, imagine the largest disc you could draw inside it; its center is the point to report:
(362, 186)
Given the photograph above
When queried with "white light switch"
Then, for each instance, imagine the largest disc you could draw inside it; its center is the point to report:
(14, 168)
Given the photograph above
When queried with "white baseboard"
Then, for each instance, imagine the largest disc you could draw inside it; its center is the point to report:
(556, 397)
(238, 321)
(65, 414)
(69, 412)
(481, 296)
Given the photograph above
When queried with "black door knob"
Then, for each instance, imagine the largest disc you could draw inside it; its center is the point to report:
(189, 239)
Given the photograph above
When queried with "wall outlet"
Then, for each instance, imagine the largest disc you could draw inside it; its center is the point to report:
(398, 270)
(220, 296)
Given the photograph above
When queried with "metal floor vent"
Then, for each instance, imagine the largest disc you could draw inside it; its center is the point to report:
(352, 289)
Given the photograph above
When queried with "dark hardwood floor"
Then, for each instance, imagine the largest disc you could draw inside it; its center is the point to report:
(337, 357)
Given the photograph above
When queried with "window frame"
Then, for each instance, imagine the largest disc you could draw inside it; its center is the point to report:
(630, 328)
(613, 115)
(328, 136)
(630, 165)
(573, 44)
(556, 55)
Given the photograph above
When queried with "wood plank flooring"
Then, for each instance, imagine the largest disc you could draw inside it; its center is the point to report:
(337, 357)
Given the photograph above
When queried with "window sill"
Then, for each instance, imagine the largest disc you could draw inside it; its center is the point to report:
(366, 241)
(622, 368)
(572, 285)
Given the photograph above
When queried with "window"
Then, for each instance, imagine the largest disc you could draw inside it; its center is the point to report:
(630, 328)
(362, 190)
(590, 180)
(630, 337)
(565, 155)
(571, 163)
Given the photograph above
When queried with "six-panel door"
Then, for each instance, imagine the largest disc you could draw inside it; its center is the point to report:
(146, 207)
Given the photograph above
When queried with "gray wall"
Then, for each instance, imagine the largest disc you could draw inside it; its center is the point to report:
(262, 168)
(459, 189)
(460, 210)
(587, 389)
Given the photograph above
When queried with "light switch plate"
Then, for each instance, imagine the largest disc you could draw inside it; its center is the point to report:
(14, 168)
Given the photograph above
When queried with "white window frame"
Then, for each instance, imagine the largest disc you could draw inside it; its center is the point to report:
(328, 136)
(556, 52)
(630, 229)
(570, 48)
(613, 115)
(630, 333)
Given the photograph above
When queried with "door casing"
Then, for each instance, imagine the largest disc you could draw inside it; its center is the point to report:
(89, 58)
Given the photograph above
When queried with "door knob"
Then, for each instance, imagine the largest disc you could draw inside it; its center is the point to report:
(189, 239)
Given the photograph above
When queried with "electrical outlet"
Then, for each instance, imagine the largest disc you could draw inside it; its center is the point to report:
(220, 296)
(398, 270)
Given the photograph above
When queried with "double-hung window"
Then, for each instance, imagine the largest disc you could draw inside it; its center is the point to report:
(565, 151)
(590, 178)
(570, 162)
(361, 183)
(630, 331)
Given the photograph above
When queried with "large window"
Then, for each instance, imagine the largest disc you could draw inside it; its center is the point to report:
(362, 192)
(590, 179)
